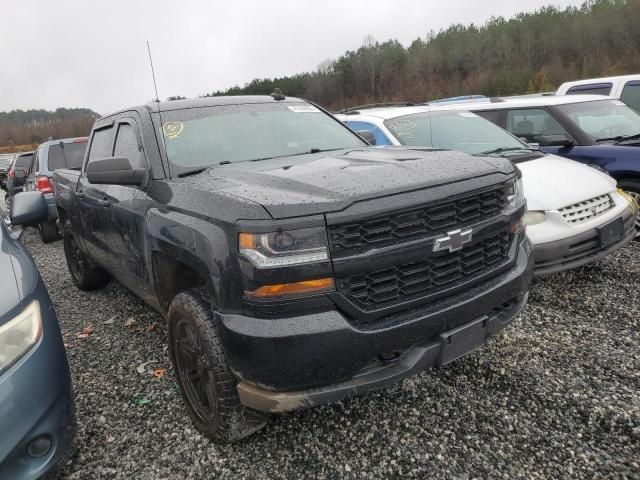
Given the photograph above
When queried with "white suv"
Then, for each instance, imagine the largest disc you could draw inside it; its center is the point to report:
(575, 213)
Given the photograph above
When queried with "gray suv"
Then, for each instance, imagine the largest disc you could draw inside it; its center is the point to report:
(50, 156)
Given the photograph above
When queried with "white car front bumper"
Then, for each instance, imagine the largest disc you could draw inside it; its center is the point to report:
(560, 245)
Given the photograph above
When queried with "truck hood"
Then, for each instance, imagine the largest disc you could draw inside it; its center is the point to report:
(553, 182)
(321, 183)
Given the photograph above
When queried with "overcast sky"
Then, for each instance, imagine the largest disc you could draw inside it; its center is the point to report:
(88, 53)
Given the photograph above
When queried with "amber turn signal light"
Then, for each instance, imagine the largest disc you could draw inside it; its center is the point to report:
(285, 289)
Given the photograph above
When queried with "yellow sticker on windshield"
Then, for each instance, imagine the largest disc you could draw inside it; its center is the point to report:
(172, 130)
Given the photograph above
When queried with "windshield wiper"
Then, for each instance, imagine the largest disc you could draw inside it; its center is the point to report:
(192, 172)
(619, 138)
(507, 149)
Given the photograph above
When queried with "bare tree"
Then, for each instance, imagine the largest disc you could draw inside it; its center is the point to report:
(369, 44)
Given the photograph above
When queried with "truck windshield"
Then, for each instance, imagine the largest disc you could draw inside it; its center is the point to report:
(202, 137)
(603, 119)
(453, 130)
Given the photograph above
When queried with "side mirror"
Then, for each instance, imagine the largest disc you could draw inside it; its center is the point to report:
(115, 171)
(368, 136)
(28, 208)
(553, 141)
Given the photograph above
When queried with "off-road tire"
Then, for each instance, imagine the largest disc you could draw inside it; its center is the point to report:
(48, 232)
(85, 274)
(227, 420)
(632, 187)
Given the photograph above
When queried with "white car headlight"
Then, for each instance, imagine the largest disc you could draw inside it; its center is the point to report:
(534, 218)
(515, 193)
(281, 249)
(19, 334)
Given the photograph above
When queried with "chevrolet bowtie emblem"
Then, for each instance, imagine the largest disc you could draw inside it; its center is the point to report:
(454, 240)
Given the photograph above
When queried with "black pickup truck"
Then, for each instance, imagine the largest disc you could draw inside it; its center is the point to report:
(294, 263)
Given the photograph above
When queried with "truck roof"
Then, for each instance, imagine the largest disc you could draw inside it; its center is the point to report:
(203, 102)
(215, 102)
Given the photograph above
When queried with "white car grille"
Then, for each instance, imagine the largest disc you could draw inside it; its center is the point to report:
(585, 211)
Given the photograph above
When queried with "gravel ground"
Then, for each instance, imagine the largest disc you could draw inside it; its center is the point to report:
(556, 396)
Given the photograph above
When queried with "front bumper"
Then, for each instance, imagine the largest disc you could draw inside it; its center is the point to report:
(293, 363)
(36, 402)
(573, 252)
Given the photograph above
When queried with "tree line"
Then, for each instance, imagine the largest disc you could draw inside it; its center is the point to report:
(20, 127)
(531, 52)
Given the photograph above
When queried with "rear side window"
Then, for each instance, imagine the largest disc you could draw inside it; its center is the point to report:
(101, 144)
(591, 89)
(127, 145)
(631, 95)
(66, 155)
(24, 161)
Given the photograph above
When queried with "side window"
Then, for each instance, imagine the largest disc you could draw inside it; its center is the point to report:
(127, 145)
(591, 89)
(531, 123)
(631, 94)
(493, 116)
(101, 143)
(381, 138)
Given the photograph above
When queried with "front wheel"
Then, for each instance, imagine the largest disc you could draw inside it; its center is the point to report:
(208, 386)
(632, 187)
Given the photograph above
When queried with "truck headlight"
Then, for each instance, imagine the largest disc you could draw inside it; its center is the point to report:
(281, 249)
(534, 218)
(515, 193)
(19, 334)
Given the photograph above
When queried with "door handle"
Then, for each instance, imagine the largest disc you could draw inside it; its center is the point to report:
(104, 203)
(80, 195)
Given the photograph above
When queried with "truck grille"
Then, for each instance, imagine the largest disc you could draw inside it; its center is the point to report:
(419, 222)
(584, 211)
(401, 283)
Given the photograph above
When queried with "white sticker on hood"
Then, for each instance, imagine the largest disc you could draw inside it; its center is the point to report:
(467, 114)
(303, 109)
(618, 102)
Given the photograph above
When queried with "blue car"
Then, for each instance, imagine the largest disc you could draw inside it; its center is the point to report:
(36, 408)
(592, 129)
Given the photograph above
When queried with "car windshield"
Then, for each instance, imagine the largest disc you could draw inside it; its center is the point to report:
(453, 130)
(66, 155)
(603, 119)
(203, 137)
(4, 162)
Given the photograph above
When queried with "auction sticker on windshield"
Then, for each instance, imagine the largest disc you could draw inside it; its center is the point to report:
(172, 130)
(303, 109)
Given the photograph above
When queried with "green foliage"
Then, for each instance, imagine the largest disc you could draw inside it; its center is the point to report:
(531, 52)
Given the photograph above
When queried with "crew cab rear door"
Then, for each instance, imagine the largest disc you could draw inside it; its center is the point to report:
(92, 199)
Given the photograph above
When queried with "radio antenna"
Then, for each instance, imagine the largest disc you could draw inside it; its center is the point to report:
(155, 86)
(153, 73)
